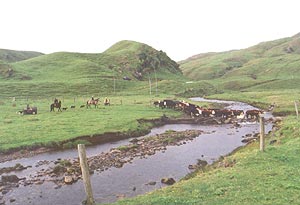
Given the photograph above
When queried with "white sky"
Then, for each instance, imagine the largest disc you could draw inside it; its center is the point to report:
(181, 28)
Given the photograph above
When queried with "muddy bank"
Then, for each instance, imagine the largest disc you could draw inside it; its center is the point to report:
(106, 137)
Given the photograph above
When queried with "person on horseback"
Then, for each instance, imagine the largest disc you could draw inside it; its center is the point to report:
(106, 101)
(92, 101)
(56, 104)
(28, 107)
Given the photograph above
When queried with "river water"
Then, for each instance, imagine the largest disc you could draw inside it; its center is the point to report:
(133, 178)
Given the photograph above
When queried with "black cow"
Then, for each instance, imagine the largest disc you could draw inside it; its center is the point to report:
(170, 104)
(165, 104)
(238, 113)
(192, 110)
(159, 104)
(222, 113)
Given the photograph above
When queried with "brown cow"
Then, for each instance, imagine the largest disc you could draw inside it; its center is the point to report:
(250, 114)
(222, 113)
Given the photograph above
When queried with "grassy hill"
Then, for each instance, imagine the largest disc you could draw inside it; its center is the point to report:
(10, 56)
(65, 73)
(260, 75)
(263, 66)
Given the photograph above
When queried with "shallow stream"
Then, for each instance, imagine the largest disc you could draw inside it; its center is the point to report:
(133, 178)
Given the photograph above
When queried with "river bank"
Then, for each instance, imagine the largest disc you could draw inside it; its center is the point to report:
(247, 176)
(54, 173)
(96, 139)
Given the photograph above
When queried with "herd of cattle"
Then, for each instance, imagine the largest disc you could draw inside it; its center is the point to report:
(197, 111)
(188, 108)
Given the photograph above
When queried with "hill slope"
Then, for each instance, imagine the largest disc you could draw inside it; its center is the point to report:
(10, 56)
(265, 65)
(64, 73)
(125, 58)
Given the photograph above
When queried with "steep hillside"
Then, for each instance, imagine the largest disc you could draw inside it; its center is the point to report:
(262, 64)
(126, 58)
(126, 66)
(10, 56)
(140, 60)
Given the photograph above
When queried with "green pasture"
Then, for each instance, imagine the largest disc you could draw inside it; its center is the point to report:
(48, 128)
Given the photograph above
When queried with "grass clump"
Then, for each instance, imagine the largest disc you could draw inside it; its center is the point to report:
(73, 144)
(128, 147)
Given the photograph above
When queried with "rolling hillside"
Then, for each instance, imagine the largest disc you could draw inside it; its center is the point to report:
(10, 56)
(65, 73)
(268, 65)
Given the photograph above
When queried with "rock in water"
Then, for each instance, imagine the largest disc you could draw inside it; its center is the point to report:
(68, 180)
(10, 178)
(168, 181)
(202, 163)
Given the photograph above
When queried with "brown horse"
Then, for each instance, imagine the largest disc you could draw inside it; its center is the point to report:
(55, 105)
(92, 102)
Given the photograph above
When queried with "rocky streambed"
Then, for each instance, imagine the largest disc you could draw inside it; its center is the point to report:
(67, 171)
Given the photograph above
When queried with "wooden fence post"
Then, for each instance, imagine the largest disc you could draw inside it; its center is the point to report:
(85, 174)
(296, 108)
(262, 134)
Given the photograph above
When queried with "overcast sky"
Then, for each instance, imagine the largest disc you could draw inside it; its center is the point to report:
(181, 28)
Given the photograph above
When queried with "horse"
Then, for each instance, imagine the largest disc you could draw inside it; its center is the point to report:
(55, 105)
(107, 102)
(92, 102)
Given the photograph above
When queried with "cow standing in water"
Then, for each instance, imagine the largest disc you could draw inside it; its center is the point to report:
(250, 114)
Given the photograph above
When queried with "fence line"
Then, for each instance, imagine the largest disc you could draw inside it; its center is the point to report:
(262, 133)
(296, 108)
